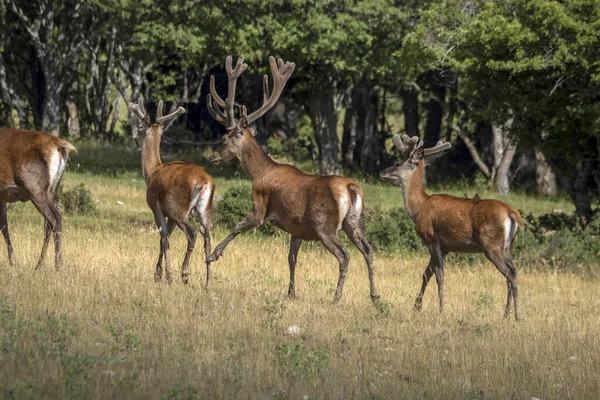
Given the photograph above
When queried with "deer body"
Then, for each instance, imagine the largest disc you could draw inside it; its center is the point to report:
(174, 191)
(32, 164)
(450, 224)
(308, 207)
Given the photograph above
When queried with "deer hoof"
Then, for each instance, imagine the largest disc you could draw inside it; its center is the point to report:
(185, 279)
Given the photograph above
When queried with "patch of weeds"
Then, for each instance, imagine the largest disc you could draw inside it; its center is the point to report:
(300, 361)
(56, 333)
(233, 360)
(124, 339)
(383, 307)
(21, 390)
(77, 200)
(180, 391)
(482, 330)
(274, 310)
(483, 301)
(75, 367)
(477, 395)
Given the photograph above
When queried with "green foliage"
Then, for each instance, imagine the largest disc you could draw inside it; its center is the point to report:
(391, 230)
(78, 200)
(235, 206)
(383, 307)
(181, 392)
(274, 310)
(300, 361)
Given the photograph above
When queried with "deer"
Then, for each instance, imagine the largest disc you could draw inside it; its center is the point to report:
(174, 190)
(450, 224)
(308, 207)
(32, 164)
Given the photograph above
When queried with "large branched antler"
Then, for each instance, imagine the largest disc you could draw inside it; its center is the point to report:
(167, 118)
(281, 73)
(140, 112)
(408, 145)
(225, 116)
(222, 110)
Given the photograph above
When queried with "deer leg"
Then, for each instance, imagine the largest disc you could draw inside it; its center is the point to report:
(5, 232)
(427, 274)
(292, 259)
(504, 265)
(191, 237)
(333, 244)
(437, 257)
(356, 233)
(47, 232)
(53, 221)
(205, 232)
(164, 229)
(251, 221)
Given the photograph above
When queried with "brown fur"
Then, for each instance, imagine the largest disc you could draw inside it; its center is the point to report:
(450, 224)
(174, 191)
(25, 157)
(306, 206)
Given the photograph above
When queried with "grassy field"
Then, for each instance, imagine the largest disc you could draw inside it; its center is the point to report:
(102, 328)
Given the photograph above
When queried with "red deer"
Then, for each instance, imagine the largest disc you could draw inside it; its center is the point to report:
(174, 191)
(32, 164)
(451, 224)
(308, 207)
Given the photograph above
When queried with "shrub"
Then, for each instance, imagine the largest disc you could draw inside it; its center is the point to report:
(300, 361)
(235, 206)
(78, 200)
(391, 230)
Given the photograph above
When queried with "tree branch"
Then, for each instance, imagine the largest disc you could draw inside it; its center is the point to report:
(474, 153)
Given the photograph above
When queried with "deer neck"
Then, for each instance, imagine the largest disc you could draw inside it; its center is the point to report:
(413, 193)
(254, 161)
(150, 155)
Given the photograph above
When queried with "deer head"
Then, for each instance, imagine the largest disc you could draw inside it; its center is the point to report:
(413, 157)
(241, 129)
(148, 128)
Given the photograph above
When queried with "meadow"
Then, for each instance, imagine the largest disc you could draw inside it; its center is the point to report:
(102, 328)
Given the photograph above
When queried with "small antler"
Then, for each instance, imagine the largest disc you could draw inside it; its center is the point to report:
(439, 147)
(225, 116)
(138, 110)
(281, 73)
(165, 120)
(406, 145)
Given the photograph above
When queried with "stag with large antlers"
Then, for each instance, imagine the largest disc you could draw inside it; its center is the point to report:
(308, 207)
(174, 191)
(32, 164)
(451, 224)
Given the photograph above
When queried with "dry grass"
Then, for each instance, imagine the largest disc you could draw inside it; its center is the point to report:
(102, 328)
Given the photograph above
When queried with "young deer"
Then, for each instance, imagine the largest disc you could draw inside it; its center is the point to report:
(451, 224)
(31, 167)
(174, 190)
(308, 207)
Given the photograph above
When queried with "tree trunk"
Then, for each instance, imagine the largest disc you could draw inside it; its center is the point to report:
(544, 176)
(73, 127)
(410, 107)
(435, 113)
(503, 151)
(324, 122)
(361, 144)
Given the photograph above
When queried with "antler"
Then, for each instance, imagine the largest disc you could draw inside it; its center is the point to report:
(226, 116)
(164, 120)
(406, 144)
(138, 109)
(439, 147)
(281, 73)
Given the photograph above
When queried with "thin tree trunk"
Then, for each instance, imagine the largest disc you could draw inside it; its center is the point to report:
(435, 114)
(324, 121)
(544, 176)
(410, 107)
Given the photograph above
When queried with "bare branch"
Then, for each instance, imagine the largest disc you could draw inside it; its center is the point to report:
(474, 153)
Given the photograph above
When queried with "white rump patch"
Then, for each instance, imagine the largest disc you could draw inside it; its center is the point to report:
(202, 199)
(344, 207)
(507, 232)
(56, 167)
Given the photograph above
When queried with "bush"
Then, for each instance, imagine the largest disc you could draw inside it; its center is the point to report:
(391, 230)
(557, 242)
(78, 200)
(235, 206)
